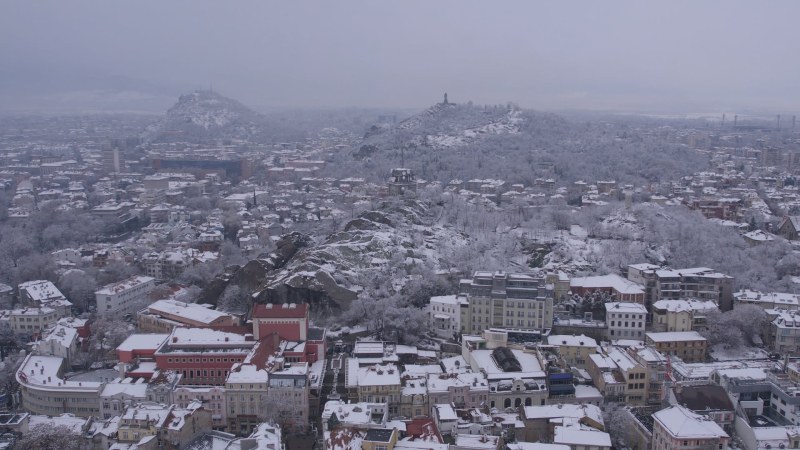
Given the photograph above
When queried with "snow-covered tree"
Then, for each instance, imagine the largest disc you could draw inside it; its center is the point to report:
(50, 437)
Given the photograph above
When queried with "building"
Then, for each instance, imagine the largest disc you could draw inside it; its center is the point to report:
(202, 356)
(288, 396)
(708, 400)
(168, 426)
(402, 181)
(620, 377)
(772, 300)
(690, 346)
(621, 289)
(699, 282)
(465, 390)
(289, 321)
(625, 320)
(540, 421)
(681, 315)
(164, 315)
(44, 390)
(789, 227)
(116, 397)
(516, 378)
(246, 397)
(575, 350)
(581, 437)
(679, 427)
(61, 341)
(515, 301)
(32, 321)
(785, 332)
(445, 313)
(43, 293)
(124, 297)
(377, 383)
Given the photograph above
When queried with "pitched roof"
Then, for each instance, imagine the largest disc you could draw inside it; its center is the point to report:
(683, 423)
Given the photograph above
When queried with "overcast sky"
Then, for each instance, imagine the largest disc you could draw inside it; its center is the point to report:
(669, 55)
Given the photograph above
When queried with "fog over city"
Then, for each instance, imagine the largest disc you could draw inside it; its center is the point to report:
(669, 56)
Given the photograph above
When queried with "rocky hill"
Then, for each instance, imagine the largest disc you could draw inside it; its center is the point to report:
(207, 115)
(447, 125)
(384, 247)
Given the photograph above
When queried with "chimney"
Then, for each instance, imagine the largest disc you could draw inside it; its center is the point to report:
(174, 339)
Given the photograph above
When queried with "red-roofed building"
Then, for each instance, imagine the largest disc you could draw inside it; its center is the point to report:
(289, 321)
(423, 429)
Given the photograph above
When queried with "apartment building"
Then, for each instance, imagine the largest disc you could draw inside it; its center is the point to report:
(679, 427)
(619, 376)
(625, 320)
(507, 300)
(698, 282)
(681, 315)
(43, 293)
(124, 297)
(465, 390)
(30, 321)
(690, 346)
(378, 383)
(245, 397)
(445, 313)
(288, 396)
(769, 300)
(575, 350)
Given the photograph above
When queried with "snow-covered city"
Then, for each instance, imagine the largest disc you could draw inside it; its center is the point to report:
(317, 252)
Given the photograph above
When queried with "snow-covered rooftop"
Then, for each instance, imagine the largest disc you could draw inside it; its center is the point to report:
(682, 423)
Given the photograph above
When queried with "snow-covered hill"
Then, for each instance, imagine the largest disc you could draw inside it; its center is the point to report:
(204, 115)
(387, 244)
(448, 125)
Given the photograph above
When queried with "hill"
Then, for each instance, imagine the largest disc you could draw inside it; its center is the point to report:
(203, 116)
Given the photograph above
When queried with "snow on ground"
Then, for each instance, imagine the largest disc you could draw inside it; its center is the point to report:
(720, 353)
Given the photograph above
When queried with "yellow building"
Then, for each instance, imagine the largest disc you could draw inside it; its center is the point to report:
(690, 346)
(574, 349)
(681, 315)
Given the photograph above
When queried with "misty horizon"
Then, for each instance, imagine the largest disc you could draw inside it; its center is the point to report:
(676, 57)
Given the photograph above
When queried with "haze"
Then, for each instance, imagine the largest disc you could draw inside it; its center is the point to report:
(663, 56)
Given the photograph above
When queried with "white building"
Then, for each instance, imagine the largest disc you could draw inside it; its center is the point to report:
(28, 321)
(679, 427)
(625, 320)
(125, 297)
(61, 341)
(42, 293)
(444, 313)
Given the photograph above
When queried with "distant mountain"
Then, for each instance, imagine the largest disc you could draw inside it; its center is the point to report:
(207, 115)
